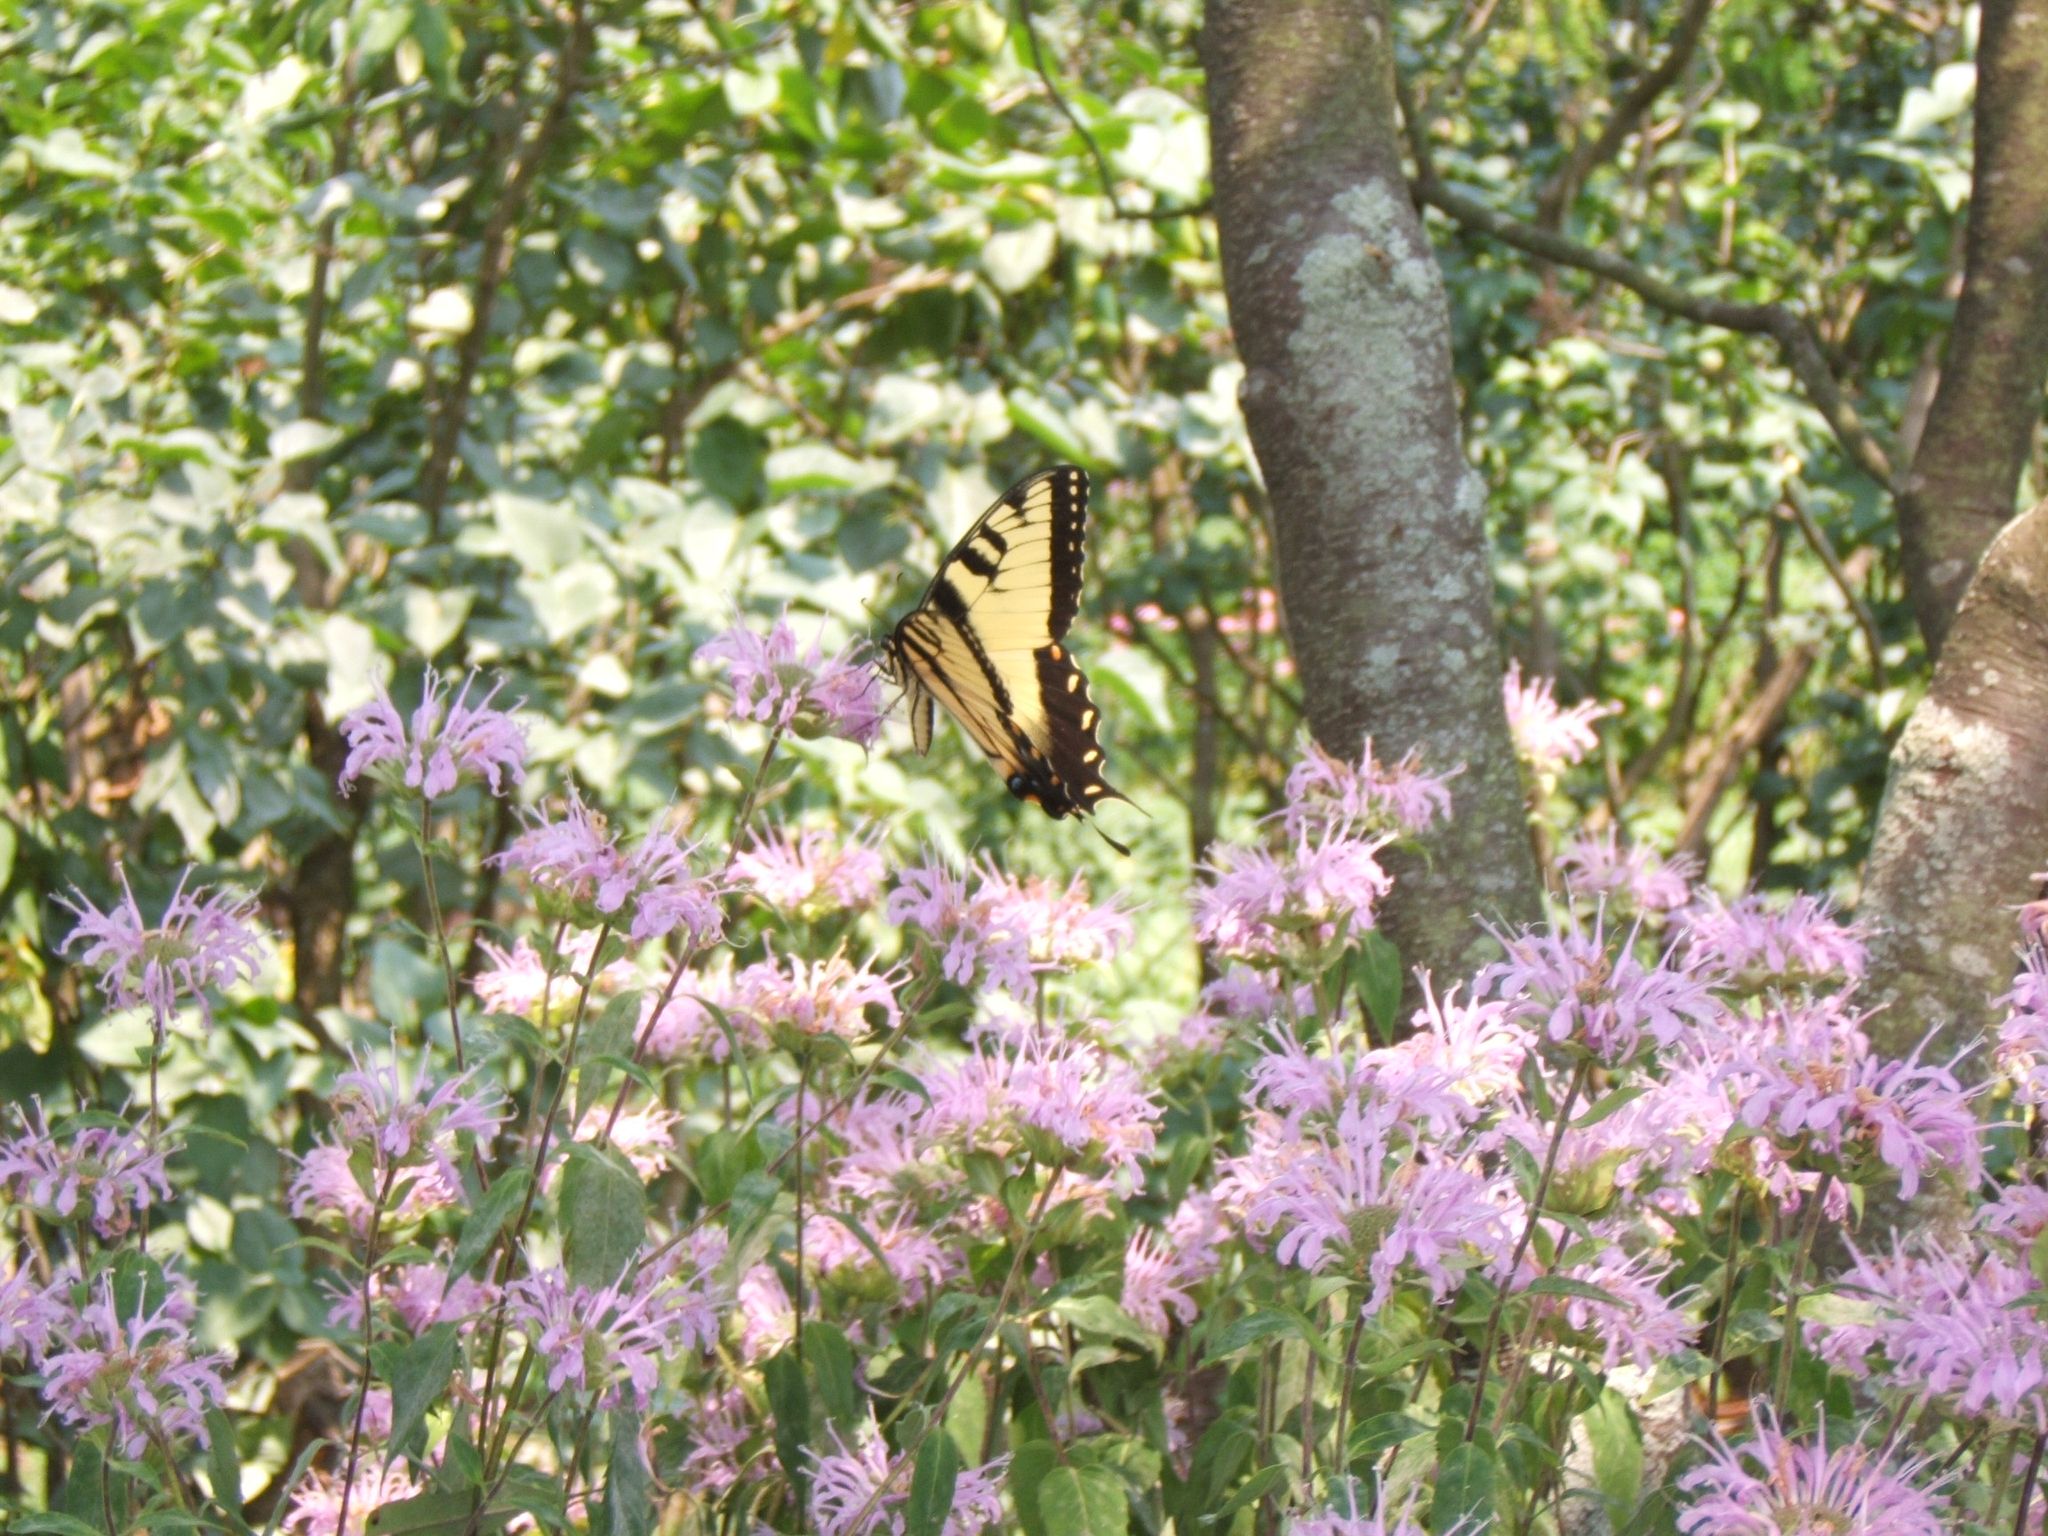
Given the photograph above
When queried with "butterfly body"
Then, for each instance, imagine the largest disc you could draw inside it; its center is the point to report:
(987, 642)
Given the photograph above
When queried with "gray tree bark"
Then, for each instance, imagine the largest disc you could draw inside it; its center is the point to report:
(1340, 317)
(1965, 477)
(1964, 822)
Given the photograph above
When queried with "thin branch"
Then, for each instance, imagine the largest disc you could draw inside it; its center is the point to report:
(1791, 330)
(1628, 113)
(1102, 170)
(1817, 539)
(492, 264)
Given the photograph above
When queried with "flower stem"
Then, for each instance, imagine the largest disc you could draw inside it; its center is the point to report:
(440, 932)
(355, 1432)
(753, 796)
(1344, 1393)
(1789, 1345)
(1500, 1299)
(2019, 1520)
(1727, 1300)
(803, 1087)
(937, 1418)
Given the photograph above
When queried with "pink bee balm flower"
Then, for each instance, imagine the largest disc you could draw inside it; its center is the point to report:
(441, 745)
(2021, 1051)
(1154, 1284)
(1358, 1198)
(1547, 735)
(775, 683)
(1588, 998)
(1772, 1486)
(1062, 928)
(29, 1313)
(916, 1263)
(1477, 1045)
(611, 1342)
(133, 1371)
(805, 999)
(1346, 1516)
(1262, 906)
(203, 942)
(650, 891)
(971, 933)
(1599, 867)
(1819, 1088)
(107, 1169)
(1326, 793)
(317, 1503)
(1748, 940)
(810, 871)
(517, 980)
(719, 1431)
(845, 1481)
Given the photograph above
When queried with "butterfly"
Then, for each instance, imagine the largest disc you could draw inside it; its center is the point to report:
(986, 641)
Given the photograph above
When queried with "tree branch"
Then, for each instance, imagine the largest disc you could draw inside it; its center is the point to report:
(1102, 170)
(1588, 154)
(493, 262)
(1792, 332)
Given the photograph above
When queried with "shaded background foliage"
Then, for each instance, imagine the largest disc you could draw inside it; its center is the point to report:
(536, 339)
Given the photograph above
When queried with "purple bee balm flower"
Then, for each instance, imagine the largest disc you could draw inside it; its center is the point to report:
(316, 1507)
(29, 1313)
(973, 939)
(2022, 1038)
(1547, 735)
(109, 1169)
(1348, 1515)
(411, 1132)
(1639, 1321)
(1065, 1100)
(517, 980)
(612, 1342)
(1263, 906)
(915, 1262)
(1359, 1198)
(1478, 1045)
(1772, 1486)
(205, 941)
(1819, 1090)
(1064, 929)
(1748, 941)
(797, 999)
(1326, 793)
(781, 686)
(1598, 867)
(1596, 1001)
(447, 739)
(845, 1481)
(650, 891)
(810, 871)
(1154, 1281)
(135, 1374)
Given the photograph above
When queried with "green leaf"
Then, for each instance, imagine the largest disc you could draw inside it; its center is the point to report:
(57, 1525)
(1030, 1464)
(630, 1500)
(1609, 1103)
(224, 1467)
(1464, 1489)
(611, 1035)
(1084, 1501)
(436, 1514)
(1241, 1334)
(830, 1357)
(1580, 1290)
(419, 1379)
(488, 1219)
(603, 1213)
(789, 1401)
(1378, 969)
(1617, 1445)
(931, 1484)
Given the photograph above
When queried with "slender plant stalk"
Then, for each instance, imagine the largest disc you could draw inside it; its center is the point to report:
(803, 1087)
(1343, 1457)
(355, 1432)
(1308, 1421)
(1789, 1347)
(1500, 1299)
(1727, 1300)
(440, 934)
(995, 1321)
(2001, 1477)
(2019, 1519)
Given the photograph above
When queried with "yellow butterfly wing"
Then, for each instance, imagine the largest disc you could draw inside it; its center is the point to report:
(985, 642)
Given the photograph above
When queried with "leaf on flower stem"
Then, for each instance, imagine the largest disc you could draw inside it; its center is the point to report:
(1617, 1444)
(1084, 1501)
(419, 1378)
(489, 1217)
(224, 1467)
(630, 1500)
(603, 1213)
(830, 1357)
(789, 1399)
(931, 1485)
(608, 1038)
(1464, 1489)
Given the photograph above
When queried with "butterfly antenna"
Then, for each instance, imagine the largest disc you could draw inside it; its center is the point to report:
(1119, 847)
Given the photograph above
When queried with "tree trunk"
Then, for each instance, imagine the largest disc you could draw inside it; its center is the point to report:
(1340, 317)
(1965, 477)
(1964, 822)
